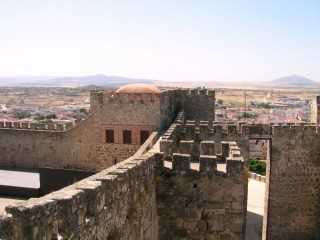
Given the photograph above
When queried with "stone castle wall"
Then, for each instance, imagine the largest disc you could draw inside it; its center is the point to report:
(293, 189)
(201, 193)
(202, 203)
(141, 111)
(176, 194)
(117, 203)
(120, 111)
(315, 110)
(258, 149)
(114, 108)
(110, 154)
(188, 135)
(33, 148)
(199, 104)
(168, 108)
(135, 199)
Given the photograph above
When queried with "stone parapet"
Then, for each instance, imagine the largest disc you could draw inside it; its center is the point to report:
(235, 165)
(287, 130)
(39, 126)
(207, 147)
(200, 204)
(24, 125)
(206, 130)
(8, 125)
(181, 161)
(110, 202)
(167, 147)
(16, 125)
(186, 146)
(208, 163)
(257, 177)
(132, 97)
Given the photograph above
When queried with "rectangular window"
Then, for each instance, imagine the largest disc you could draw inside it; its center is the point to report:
(127, 136)
(109, 136)
(143, 136)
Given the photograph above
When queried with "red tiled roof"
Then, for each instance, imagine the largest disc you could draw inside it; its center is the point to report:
(138, 88)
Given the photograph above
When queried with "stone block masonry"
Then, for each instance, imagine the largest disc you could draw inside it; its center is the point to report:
(196, 188)
(32, 148)
(119, 112)
(110, 154)
(293, 192)
(204, 203)
(117, 203)
(139, 199)
(108, 110)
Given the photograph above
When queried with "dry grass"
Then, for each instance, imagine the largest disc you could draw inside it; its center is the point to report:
(233, 93)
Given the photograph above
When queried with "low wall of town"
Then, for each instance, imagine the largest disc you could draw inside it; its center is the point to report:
(257, 177)
(33, 148)
(38, 126)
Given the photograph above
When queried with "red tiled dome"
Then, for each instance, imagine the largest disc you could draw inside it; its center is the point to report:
(138, 88)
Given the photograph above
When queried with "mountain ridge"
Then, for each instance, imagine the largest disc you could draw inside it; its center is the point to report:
(293, 79)
(117, 81)
(97, 79)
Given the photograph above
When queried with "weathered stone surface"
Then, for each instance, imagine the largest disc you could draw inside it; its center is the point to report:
(140, 198)
(293, 189)
(72, 149)
(196, 203)
(108, 208)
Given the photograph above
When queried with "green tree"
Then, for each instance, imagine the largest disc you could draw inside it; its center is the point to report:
(263, 105)
(220, 101)
(39, 117)
(248, 115)
(257, 166)
(51, 116)
(21, 114)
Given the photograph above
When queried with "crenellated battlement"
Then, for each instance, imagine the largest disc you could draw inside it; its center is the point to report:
(180, 119)
(192, 92)
(210, 128)
(111, 97)
(132, 97)
(38, 126)
(89, 201)
(203, 155)
(297, 129)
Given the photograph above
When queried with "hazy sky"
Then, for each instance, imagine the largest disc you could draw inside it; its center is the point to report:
(172, 40)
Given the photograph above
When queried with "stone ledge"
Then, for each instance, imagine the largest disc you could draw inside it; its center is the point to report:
(257, 177)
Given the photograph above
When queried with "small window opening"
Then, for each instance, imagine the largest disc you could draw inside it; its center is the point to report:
(127, 137)
(109, 136)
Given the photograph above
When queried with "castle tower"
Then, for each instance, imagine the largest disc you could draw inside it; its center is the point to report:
(198, 104)
(124, 120)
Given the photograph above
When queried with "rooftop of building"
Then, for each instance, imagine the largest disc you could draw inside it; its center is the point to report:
(138, 88)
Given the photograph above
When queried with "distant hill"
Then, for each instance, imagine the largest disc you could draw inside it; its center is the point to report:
(98, 80)
(293, 79)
